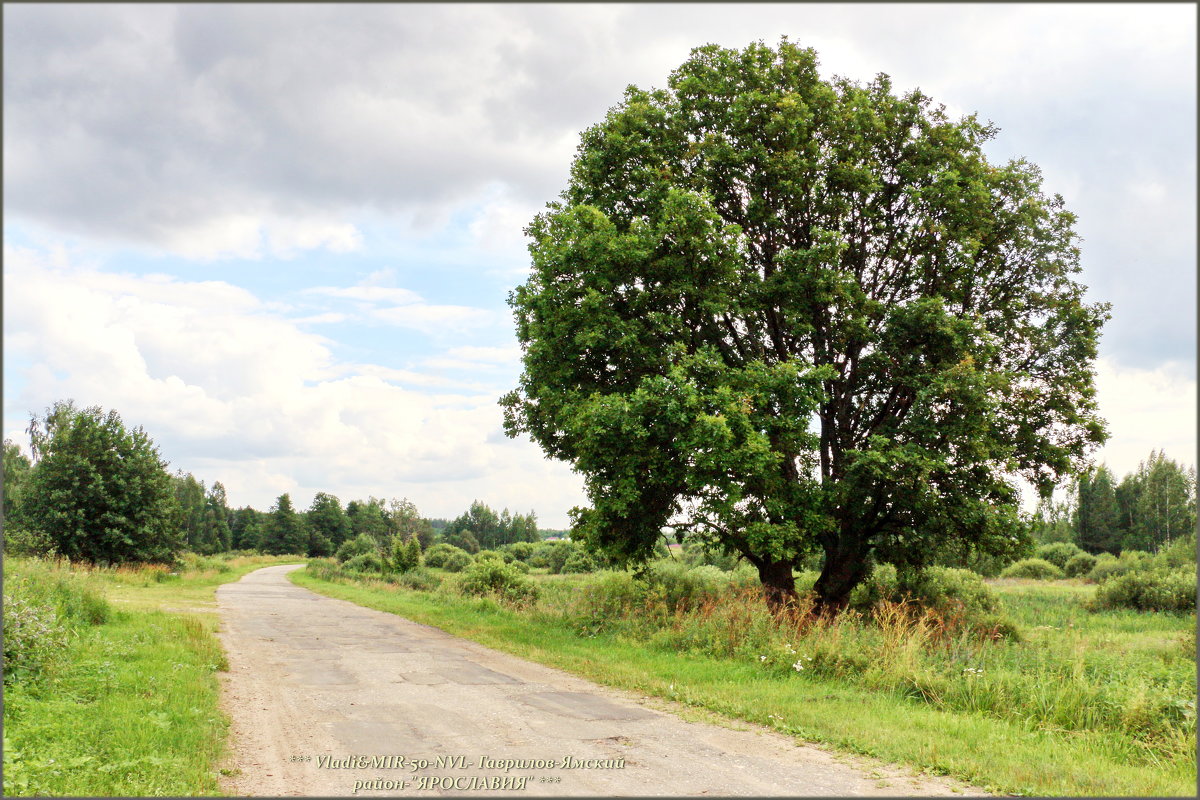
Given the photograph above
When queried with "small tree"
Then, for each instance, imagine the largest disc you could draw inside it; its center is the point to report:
(406, 553)
(16, 470)
(100, 492)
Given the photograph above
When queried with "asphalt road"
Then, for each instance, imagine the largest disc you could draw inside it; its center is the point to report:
(332, 699)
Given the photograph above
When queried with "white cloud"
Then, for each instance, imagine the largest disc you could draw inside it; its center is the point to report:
(405, 308)
(1147, 409)
(234, 392)
(369, 294)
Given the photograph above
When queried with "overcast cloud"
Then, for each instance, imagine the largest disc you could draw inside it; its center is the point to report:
(280, 237)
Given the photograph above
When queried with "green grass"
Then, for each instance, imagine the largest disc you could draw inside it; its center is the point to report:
(863, 708)
(129, 707)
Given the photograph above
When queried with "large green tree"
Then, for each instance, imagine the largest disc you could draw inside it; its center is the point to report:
(370, 518)
(245, 530)
(1097, 512)
(100, 491)
(478, 525)
(217, 535)
(791, 316)
(406, 522)
(327, 520)
(191, 497)
(1158, 503)
(284, 531)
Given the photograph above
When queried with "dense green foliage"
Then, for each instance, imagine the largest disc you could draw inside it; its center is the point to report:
(328, 521)
(1035, 568)
(285, 530)
(1148, 509)
(754, 247)
(98, 491)
(439, 554)
(406, 553)
(16, 471)
(493, 577)
(43, 607)
(480, 527)
(1057, 553)
(1149, 590)
(1079, 565)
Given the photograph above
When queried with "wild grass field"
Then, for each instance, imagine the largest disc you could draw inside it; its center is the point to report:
(1060, 700)
(110, 677)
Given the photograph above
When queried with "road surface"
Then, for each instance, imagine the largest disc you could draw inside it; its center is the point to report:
(332, 699)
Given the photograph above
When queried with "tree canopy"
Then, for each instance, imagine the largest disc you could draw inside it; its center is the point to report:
(789, 316)
(99, 491)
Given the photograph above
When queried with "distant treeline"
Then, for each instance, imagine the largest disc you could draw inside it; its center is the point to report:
(1146, 510)
(97, 491)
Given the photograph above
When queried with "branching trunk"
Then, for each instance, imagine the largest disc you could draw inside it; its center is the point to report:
(845, 567)
(779, 587)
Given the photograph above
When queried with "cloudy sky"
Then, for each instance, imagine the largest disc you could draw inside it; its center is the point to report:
(280, 238)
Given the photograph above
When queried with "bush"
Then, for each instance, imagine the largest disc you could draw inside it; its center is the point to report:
(958, 596)
(1180, 553)
(555, 555)
(521, 551)
(324, 568)
(1080, 565)
(806, 581)
(33, 637)
(365, 562)
(882, 584)
(1107, 566)
(406, 554)
(606, 598)
(497, 555)
(577, 563)
(359, 545)
(1035, 568)
(683, 587)
(457, 562)
(42, 604)
(1057, 553)
(437, 554)
(21, 541)
(1148, 591)
(420, 579)
(492, 577)
(695, 555)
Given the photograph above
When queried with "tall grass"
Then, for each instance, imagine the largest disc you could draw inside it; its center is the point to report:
(1076, 681)
(615, 630)
(127, 703)
(919, 653)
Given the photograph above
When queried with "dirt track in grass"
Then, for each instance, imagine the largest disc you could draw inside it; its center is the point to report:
(328, 698)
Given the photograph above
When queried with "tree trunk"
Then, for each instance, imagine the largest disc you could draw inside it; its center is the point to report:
(779, 587)
(845, 567)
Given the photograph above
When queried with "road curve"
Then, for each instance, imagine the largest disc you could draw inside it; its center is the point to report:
(328, 698)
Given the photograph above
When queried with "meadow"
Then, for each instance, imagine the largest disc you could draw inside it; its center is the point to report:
(111, 676)
(1047, 697)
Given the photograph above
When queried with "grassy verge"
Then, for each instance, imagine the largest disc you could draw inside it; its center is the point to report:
(128, 705)
(1007, 755)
